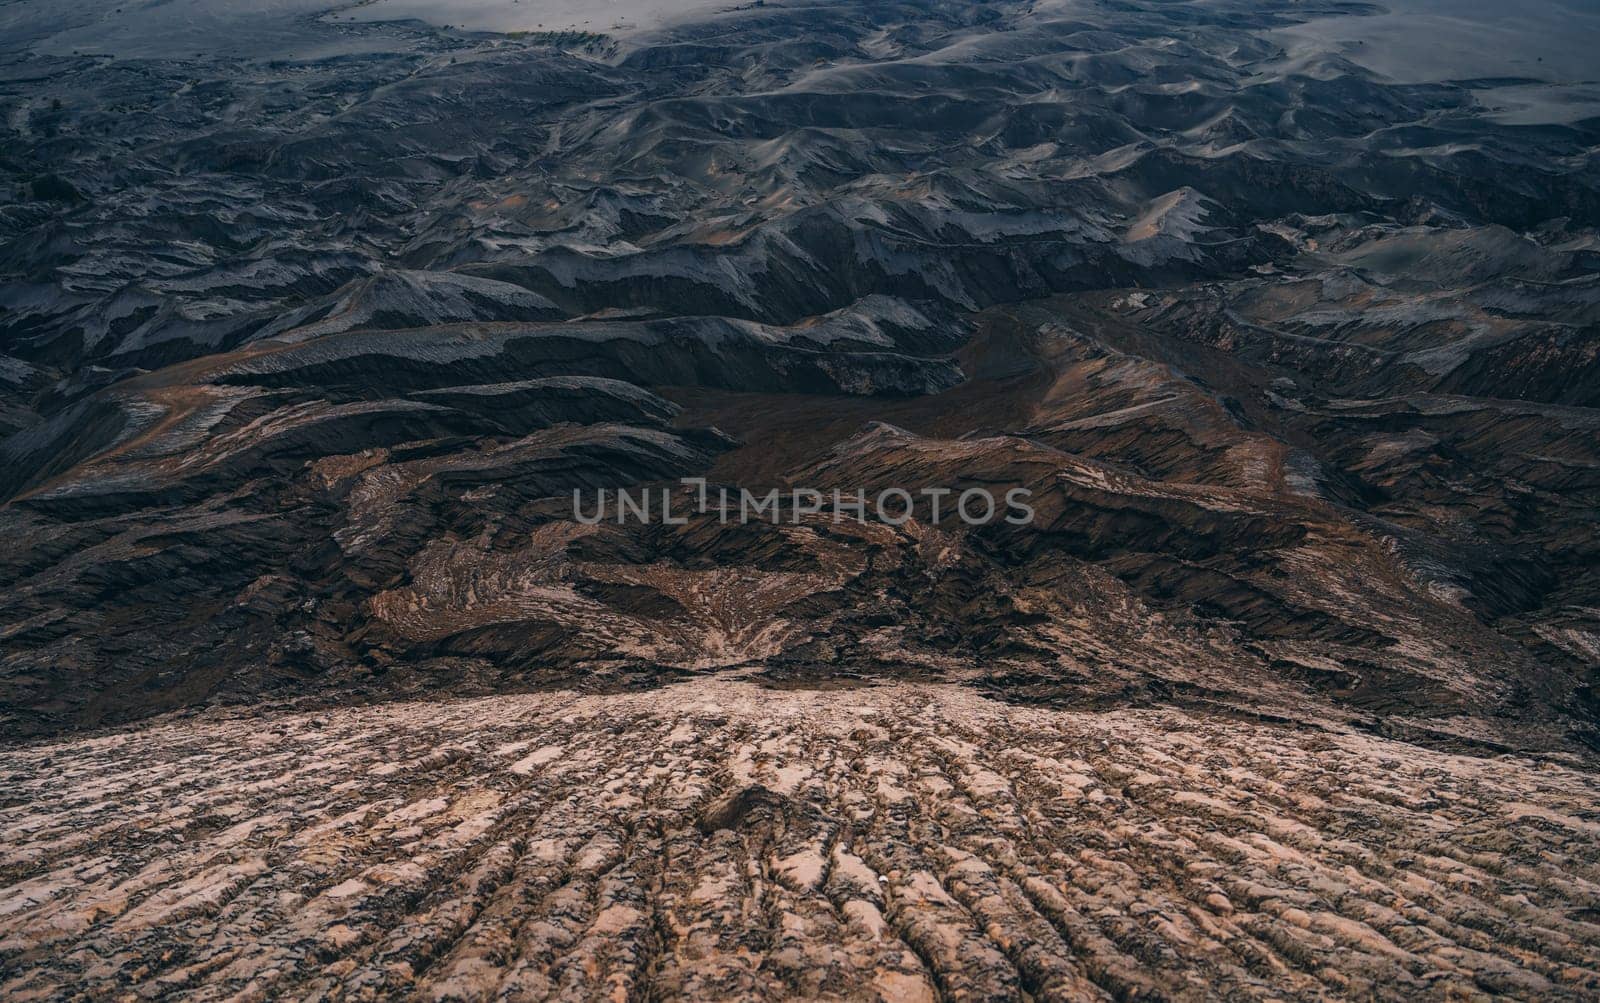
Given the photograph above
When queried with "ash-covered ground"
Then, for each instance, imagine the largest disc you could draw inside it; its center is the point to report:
(313, 317)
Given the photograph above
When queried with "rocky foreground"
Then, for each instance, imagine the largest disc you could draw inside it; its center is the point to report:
(717, 840)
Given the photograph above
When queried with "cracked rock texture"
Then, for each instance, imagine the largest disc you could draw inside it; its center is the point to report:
(718, 840)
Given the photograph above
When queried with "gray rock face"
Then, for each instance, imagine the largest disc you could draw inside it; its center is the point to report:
(299, 375)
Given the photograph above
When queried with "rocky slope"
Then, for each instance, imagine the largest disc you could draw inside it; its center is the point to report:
(716, 840)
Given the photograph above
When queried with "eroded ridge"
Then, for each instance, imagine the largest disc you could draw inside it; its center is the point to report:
(716, 840)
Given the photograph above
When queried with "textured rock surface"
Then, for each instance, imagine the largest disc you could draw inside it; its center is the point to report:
(716, 840)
